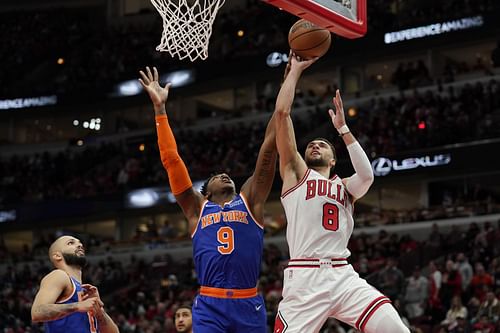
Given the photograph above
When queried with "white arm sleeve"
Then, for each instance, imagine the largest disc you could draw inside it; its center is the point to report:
(359, 183)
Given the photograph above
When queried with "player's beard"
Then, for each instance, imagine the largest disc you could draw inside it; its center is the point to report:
(74, 260)
(316, 162)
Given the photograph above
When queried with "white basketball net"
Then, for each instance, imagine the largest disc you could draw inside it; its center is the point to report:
(187, 26)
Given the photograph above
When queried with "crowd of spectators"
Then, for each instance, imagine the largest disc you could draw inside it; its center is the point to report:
(421, 120)
(382, 125)
(396, 14)
(449, 282)
(410, 75)
(96, 54)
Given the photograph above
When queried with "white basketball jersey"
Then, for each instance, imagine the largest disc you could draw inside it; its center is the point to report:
(319, 216)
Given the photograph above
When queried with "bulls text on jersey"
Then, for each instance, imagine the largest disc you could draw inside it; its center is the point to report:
(324, 187)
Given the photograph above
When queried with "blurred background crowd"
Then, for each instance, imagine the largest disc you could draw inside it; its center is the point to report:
(434, 97)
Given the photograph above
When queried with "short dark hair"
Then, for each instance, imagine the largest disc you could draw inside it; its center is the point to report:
(330, 144)
(204, 187)
(184, 306)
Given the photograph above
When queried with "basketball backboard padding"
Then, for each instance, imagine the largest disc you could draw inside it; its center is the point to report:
(329, 14)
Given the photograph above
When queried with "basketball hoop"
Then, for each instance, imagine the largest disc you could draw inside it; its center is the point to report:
(346, 18)
(187, 26)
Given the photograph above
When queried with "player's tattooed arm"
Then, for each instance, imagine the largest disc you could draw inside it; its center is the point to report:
(257, 188)
(267, 167)
(46, 312)
(54, 285)
(49, 312)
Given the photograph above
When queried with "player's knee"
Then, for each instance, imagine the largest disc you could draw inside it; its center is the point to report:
(385, 320)
(388, 325)
(396, 326)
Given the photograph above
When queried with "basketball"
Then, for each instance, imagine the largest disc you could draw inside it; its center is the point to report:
(308, 40)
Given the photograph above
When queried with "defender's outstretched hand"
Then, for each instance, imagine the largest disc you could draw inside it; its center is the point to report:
(151, 84)
(338, 116)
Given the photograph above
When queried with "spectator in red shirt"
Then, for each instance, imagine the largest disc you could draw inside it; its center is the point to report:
(451, 283)
(481, 282)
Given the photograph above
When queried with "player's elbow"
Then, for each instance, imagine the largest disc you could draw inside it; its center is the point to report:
(35, 317)
(170, 158)
(369, 178)
(282, 112)
(366, 176)
(367, 182)
(359, 185)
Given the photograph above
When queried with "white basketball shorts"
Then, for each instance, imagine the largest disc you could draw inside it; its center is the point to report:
(316, 289)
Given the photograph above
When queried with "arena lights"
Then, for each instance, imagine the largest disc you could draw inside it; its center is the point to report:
(352, 112)
(276, 58)
(142, 198)
(179, 78)
(133, 87)
(7, 216)
(434, 29)
(93, 124)
(151, 196)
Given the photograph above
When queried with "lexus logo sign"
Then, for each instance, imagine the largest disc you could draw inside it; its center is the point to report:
(276, 58)
(382, 166)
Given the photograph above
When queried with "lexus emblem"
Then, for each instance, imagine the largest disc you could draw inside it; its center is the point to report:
(381, 166)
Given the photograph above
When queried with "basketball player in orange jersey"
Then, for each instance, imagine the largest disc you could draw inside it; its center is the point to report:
(63, 303)
(226, 228)
(318, 281)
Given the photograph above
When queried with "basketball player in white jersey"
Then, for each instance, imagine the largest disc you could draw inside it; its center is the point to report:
(318, 281)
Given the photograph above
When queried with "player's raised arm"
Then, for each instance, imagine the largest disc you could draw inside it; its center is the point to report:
(359, 183)
(180, 183)
(292, 166)
(257, 187)
(44, 306)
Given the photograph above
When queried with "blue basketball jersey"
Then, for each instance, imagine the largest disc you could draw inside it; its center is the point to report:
(78, 322)
(227, 246)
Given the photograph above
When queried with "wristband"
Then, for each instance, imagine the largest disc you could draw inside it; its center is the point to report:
(343, 130)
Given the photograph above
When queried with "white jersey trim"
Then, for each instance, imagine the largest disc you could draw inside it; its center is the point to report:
(199, 218)
(72, 293)
(257, 222)
(290, 190)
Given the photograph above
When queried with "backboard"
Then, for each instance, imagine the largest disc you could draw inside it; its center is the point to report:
(346, 18)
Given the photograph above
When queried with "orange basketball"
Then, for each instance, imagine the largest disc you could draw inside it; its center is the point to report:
(307, 40)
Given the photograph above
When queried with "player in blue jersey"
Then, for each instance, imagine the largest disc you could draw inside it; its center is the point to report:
(226, 228)
(63, 303)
